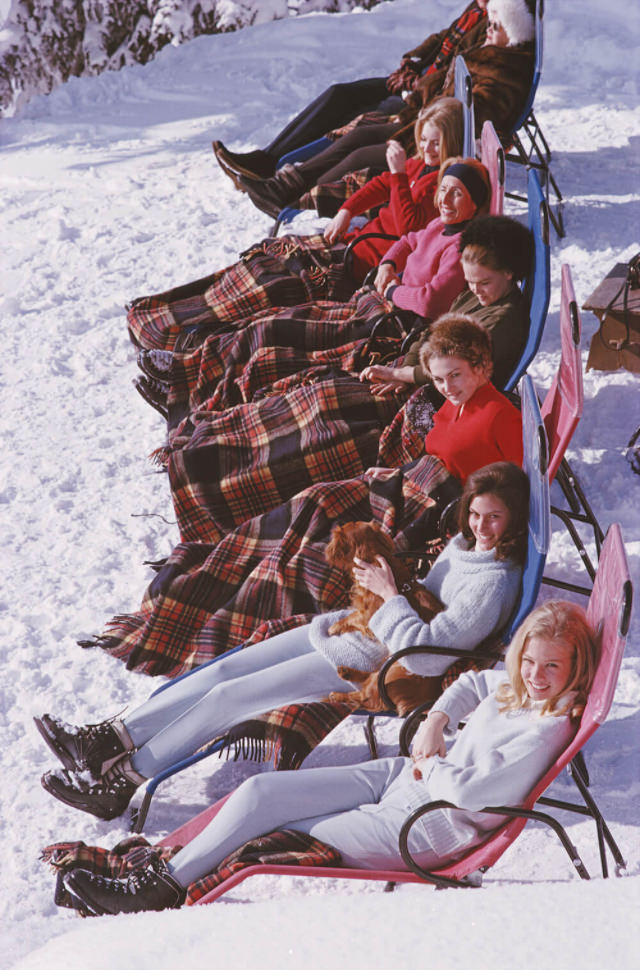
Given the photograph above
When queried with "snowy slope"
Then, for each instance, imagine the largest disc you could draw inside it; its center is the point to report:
(110, 191)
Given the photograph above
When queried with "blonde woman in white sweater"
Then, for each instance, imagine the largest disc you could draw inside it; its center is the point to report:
(477, 578)
(518, 722)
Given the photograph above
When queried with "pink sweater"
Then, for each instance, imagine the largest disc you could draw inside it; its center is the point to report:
(431, 272)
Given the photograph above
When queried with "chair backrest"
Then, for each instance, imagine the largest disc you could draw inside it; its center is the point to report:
(609, 610)
(537, 285)
(562, 407)
(492, 157)
(535, 465)
(462, 91)
(537, 66)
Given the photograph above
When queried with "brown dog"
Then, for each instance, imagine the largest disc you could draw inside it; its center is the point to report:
(366, 541)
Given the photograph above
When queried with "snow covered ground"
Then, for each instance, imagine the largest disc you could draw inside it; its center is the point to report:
(109, 191)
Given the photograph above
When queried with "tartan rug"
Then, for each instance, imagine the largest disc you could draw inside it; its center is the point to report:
(283, 847)
(210, 597)
(277, 272)
(241, 463)
(229, 368)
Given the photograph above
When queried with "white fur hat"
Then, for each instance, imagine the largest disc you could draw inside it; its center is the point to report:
(516, 18)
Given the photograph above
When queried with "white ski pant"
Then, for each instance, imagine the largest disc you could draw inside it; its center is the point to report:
(358, 809)
(174, 723)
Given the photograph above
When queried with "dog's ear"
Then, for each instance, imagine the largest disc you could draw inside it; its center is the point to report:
(339, 551)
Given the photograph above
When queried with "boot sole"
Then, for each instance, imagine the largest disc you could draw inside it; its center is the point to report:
(75, 799)
(234, 174)
(93, 908)
(61, 753)
(151, 398)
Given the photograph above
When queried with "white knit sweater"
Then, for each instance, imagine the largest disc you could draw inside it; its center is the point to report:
(478, 593)
(496, 760)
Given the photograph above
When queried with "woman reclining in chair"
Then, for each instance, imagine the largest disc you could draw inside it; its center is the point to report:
(291, 270)
(476, 579)
(519, 721)
(501, 70)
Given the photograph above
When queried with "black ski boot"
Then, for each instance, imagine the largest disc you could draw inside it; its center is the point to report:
(151, 888)
(106, 798)
(92, 748)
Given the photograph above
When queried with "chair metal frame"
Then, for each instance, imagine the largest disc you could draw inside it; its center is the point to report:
(561, 411)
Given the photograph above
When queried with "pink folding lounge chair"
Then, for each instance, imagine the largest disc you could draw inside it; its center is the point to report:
(609, 610)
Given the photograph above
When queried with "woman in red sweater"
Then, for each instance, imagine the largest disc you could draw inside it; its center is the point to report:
(476, 425)
(406, 192)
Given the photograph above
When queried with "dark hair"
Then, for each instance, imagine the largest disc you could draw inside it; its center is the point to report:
(510, 484)
(458, 335)
(498, 242)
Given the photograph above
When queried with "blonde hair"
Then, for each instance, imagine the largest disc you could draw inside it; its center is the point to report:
(479, 168)
(564, 624)
(446, 115)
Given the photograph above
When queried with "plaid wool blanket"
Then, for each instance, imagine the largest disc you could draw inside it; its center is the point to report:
(208, 597)
(230, 368)
(278, 272)
(246, 461)
(284, 847)
(328, 197)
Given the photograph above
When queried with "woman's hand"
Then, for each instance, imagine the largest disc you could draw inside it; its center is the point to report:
(429, 738)
(337, 227)
(396, 158)
(384, 277)
(387, 380)
(376, 576)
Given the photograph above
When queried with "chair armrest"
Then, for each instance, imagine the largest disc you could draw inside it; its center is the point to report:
(348, 253)
(433, 651)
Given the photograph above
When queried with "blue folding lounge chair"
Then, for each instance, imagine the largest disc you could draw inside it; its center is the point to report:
(609, 610)
(535, 463)
(537, 285)
(528, 146)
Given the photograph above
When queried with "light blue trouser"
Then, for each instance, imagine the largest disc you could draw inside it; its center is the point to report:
(173, 724)
(358, 809)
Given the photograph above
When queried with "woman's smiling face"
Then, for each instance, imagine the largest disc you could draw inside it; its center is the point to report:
(455, 378)
(488, 520)
(430, 143)
(545, 668)
(454, 201)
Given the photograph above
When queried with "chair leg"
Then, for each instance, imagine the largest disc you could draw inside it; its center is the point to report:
(370, 735)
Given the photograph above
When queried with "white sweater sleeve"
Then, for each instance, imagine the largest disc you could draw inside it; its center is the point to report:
(345, 649)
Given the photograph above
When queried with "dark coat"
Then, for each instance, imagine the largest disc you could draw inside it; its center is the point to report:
(501, 80)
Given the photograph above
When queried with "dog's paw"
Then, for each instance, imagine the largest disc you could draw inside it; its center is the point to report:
(352, 675)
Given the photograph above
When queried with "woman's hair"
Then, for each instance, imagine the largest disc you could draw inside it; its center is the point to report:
(510, 484)
(498, 242)
(458, 335)
(564, 624)
(446, 115)
(516, 18)
(478, 168)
